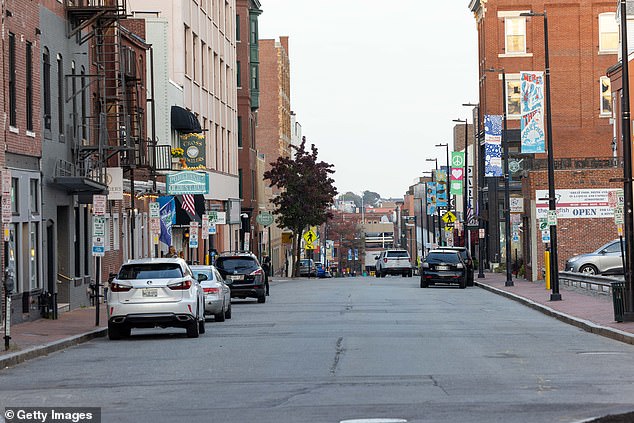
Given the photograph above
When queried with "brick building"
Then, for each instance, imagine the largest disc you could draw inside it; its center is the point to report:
(583, 44)
(273, 131)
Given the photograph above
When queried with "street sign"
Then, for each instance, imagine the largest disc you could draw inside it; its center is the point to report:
(449, 217)
(7, 213)
(99, 226)
(98, 246)
(552, 217)
(309, 246)
(543, 223)
(155, 226)
(6, 182)
(546, 235)
(265, 219)
(481, 233)
(99, 205)
(619, 219)
(193, 235)
(204, 225)
(154, 210)
(310, 236)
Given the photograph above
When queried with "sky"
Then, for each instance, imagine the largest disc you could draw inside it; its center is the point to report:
(375, 84)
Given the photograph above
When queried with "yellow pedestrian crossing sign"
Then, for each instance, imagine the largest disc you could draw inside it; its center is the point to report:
(310, 236)
(449, 217)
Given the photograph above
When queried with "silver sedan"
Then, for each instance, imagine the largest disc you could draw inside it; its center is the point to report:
(606, 260)
(217, 293)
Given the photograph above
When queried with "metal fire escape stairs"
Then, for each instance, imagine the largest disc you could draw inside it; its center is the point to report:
(115, 134)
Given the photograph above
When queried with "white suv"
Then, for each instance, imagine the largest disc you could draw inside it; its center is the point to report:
(393, 262)
(162, 292)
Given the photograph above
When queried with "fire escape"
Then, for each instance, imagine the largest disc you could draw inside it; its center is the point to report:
(114, 134)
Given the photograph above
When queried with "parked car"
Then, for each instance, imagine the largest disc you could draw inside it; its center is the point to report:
(606, 260)
(443, 266)
(307, 268)
(322, 271)
(157, 292)
(243, 274)
(467, 260)
(216, 292)
(393, 262)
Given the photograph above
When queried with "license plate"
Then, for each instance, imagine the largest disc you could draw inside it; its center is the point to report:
(235, 277)
(149, 292)
(442, 267)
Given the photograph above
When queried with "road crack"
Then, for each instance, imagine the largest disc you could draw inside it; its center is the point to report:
(339, 350)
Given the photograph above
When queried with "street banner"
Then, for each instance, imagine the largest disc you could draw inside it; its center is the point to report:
(441, 188)
(431, 198)
(457, 159)
(492, 145)
(532, 110)
(168, 218)
(457, 175)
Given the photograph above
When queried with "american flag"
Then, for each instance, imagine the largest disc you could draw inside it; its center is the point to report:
(470, 216)
(188, 203)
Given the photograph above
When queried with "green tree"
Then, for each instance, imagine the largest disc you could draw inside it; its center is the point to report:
(307, 192)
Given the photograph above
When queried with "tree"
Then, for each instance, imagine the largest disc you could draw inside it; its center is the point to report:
(307, 192)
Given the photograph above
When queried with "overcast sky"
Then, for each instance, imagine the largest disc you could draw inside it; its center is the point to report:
(376, 84)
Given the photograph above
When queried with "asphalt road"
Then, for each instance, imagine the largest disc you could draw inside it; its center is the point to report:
(343, 349)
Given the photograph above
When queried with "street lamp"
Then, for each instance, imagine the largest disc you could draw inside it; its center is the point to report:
(478, 158)
(552, 206)
(465, 186)
(507, 177)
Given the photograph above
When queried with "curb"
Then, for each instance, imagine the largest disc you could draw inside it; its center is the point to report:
(18, 357)
(588, 326)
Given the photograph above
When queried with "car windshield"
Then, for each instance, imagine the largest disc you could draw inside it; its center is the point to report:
(397, 254)
(150, 271)
(231, 264)
(206, 272)
(442, 258)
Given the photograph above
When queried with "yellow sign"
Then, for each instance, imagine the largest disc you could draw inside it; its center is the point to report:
(287, 237)
(449, 217)
(309, 246)
(310, 236)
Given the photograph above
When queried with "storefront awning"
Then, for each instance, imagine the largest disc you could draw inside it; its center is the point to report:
(184, 121)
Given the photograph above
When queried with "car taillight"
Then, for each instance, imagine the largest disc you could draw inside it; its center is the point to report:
(256, 272)
(385, 260)
(184, 285)
(117, 287)
(211, 290)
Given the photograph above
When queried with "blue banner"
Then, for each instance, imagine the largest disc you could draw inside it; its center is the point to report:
(167, 212)
(431, 198)
(442, 197)
(492, 145)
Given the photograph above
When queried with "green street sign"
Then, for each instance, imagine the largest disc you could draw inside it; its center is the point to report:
(264, 219)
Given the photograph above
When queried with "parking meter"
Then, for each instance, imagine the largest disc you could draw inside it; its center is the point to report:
(9, 280)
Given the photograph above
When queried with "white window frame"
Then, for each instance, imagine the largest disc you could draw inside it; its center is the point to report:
(608, 19)
(507, 17)
(602, 112)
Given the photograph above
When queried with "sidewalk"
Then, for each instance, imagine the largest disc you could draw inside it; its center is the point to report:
(589, 311)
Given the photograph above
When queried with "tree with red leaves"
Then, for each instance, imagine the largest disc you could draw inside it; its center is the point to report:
(307, 192)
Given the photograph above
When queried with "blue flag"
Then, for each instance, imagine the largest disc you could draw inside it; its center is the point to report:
(167, 211)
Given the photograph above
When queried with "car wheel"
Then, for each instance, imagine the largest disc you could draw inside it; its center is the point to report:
(228, 312)
(423, 283)
(193, 329)
(201, 326)
(382, 274)
(377, 274)
(116, 332)
(262, 299)
(463, 283)
(219, 317)
(409, 274)
(589, 269)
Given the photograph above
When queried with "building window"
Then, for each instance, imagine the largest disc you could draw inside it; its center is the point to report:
(608, 33)
(84, 130)
(74, 93)
(239, 74)
(240, 184)
(253, 30)
(253, 185)
(237, 27)
(34, 269)
(255, 84)
(187, 44)
(34, 196)
(606, 96)
(29, 86)
(15, 190)
(239, 131)
(515, 35)
(13, 118)
(195, 57)
(60, 94)
(203, 70)
(46, 68)
(513, 96)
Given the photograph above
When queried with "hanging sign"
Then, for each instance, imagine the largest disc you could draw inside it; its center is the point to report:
(532, 110)
(492, 145)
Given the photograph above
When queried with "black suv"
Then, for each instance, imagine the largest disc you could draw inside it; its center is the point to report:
(243, 274)
(466, 258)
(443, 266)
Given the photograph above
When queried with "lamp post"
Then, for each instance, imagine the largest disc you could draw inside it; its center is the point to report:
(552, 206)
(446, 145)
(465, 186)
(478, 158)
(437, 211)
(507, 177)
